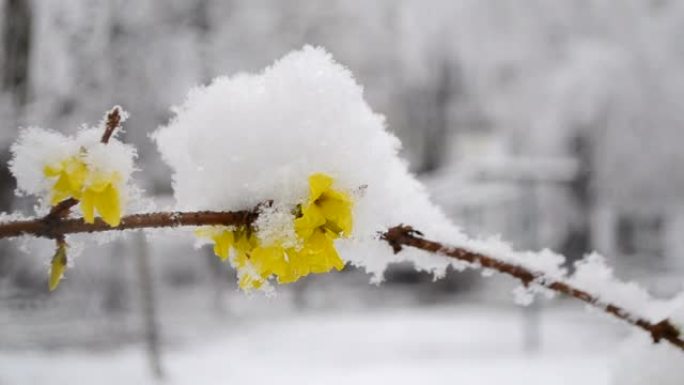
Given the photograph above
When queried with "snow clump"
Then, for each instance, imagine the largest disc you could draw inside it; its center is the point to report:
(252, 138)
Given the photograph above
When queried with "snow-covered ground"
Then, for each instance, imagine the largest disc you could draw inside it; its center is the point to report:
(445, 344)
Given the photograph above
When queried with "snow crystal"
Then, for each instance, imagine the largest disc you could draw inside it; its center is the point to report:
(275, 225)
(523, 295)
(251, 138)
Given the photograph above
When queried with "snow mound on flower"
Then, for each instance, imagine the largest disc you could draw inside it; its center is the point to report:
(251, 138)
(37, 148)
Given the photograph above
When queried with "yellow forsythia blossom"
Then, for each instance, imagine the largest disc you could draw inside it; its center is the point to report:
(246, 249)
(325, 216)
(71, 174)
(96, 191)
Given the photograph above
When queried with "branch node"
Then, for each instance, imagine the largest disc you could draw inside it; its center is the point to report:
(60, 210)
(51, 220)
(664, 330)
(396, 236)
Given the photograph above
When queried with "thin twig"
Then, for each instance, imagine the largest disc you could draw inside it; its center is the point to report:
(113, 121)
(60, 210)
(401, 235)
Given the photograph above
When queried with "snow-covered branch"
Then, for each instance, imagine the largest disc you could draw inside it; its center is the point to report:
(402, 235)
(397, 237)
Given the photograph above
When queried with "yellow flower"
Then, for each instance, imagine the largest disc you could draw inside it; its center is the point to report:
(71, 174)
(245, 245)
(102, 195)
(95, 190)
(223, 239)
(319, 249)
(267, 261)
(326, 207)
(325, 216)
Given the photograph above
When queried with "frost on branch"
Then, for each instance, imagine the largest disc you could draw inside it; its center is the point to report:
(254, 138)
(594, 275)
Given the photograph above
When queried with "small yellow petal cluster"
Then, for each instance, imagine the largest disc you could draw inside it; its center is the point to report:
(325, 216)
(95, 190)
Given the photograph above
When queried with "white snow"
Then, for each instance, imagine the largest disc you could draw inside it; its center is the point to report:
(640, 362)
(34, 149)
(250, 138)
(593, 275)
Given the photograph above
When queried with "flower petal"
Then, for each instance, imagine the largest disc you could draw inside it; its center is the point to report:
(223, 241)
(108, 205)
(311, 218)
(88, 206)
(318, 183)
(338, 214)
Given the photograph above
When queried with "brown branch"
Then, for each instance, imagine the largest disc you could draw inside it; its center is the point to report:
(60, 210)
(401, 235)
(113, 121)
(56, 227)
